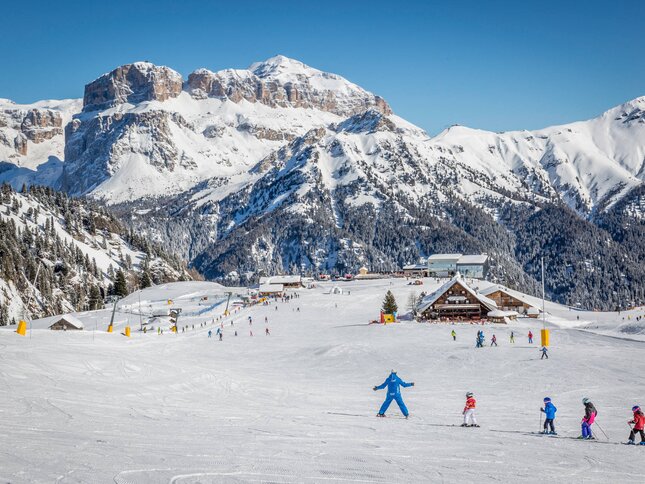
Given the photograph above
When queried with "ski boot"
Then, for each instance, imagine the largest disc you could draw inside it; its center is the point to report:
(380, 415)
(630, 442)
(465, 425)
(553, 432)
(475, 425)
(642, 443)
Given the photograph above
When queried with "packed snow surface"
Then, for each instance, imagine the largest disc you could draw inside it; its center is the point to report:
(298, 406)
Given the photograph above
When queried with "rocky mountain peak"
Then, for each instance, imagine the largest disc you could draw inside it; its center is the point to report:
(132, 83)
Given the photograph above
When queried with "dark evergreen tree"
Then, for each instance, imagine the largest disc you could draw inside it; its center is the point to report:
(389, 303)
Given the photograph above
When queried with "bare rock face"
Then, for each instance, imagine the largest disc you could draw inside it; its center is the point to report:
(284, 82)
(20, 144)
(42, 124)
(132, 83)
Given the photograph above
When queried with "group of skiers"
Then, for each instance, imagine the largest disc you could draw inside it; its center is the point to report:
(480, 339)
(394, 383)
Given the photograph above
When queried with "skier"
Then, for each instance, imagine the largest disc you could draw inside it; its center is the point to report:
(210, 333)
(588, 419)
(530, 337)
(236, 332)
(639, 424)
(266, 332)
(393, 384)
(469, 411)
(454, 335)
(221, 335)
(544, 353)
(512, 337)
(250, 333)
(493, 340)
(266, 320)
(549, 412)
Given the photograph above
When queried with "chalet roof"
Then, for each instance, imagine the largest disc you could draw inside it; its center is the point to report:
(430, 299)
(438, 257)
(517, 295)
(281, 280)
(269, 288)
(69, 320)
(472, 259)
(497, 313)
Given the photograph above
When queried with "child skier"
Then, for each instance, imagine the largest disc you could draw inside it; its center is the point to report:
(469, 411)
(454, 335)
(549, 412)
(493, 340)
(512, 337)
(393, 384)
(266, 331)
(588, 419)
(639, 425)
(530, 337)
(544, 351)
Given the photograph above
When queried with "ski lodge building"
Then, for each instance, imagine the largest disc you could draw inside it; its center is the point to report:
(509, 300)
(270, 290)
(456, 301)
(288, 282)
(447, 265)
(415, 270)
(67, 322)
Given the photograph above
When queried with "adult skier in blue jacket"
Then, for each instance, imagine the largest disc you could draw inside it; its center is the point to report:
(393, 384)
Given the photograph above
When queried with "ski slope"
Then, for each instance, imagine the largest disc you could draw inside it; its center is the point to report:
(298, 406)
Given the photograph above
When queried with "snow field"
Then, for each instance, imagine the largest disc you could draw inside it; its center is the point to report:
(184, 408)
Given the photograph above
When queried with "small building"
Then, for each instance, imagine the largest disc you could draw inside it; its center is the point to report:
(443, 265)
(67, 322)
(474, 266)
(456, 300)
(289, 282)
(364, 273)
(499, 316)
(415, 270)
(533, 312)
(271, 289)
(508, 299)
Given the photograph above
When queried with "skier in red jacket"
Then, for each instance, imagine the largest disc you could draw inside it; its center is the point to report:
(469, 411)
(639, 425)
(530, 337)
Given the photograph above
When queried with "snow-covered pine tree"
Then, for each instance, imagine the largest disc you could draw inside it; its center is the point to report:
(389, 303)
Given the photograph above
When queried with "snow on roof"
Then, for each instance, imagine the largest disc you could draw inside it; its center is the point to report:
(281, 280)
(517, 295)
(414, 266)
(268, 288)
(498, 313)
(472, 259)
(435, 257)
(431, 298)
(69, 319)
(532, 311)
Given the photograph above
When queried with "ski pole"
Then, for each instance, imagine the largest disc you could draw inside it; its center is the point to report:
(603, 432)
(539, 429)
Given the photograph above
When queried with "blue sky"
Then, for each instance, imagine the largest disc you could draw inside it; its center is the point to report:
(488, 64)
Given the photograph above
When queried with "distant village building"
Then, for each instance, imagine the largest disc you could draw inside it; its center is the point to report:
(455, 301)
(67, 322)
(447, 265)
(415, 270)
(364, 273)
(443, 265)
(508, 299)
(474, 266)
(271, 289)
(289, 282)
(499, 316)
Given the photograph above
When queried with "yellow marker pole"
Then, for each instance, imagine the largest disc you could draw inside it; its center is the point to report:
(544, 336)
(110, 328)
(544, 333)
(127, 331)
(22, 328)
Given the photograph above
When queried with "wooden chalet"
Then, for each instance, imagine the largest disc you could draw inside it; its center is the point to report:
(456, 301)
(507, 299)
(66, 322)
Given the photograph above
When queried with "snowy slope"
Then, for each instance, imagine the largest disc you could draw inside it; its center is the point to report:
(298, 406)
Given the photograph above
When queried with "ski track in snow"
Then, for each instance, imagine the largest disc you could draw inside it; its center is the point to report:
(297, 406)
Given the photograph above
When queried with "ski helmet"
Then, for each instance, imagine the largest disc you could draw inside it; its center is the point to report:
(585, 400)
(547, 399)
(635, 408)
(469, 394)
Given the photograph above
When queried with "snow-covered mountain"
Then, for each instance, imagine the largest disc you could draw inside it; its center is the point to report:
(322, 172)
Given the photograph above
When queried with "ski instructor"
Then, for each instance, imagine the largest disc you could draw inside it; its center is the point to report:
(393, 384)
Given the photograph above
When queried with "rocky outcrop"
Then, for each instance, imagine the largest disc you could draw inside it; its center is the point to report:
(39, 125)
(20, 144)
(283, 82)
(132, 83)
(96, 145)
